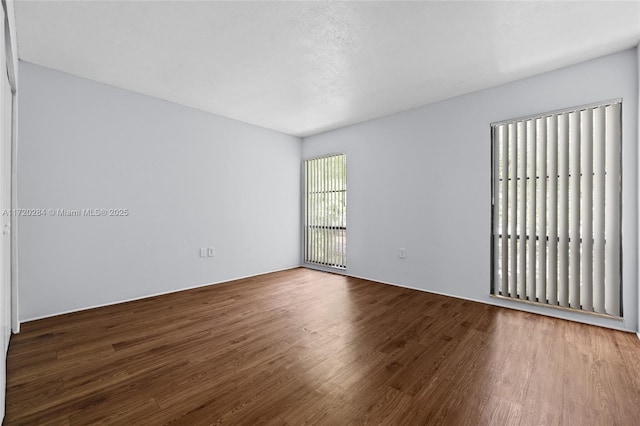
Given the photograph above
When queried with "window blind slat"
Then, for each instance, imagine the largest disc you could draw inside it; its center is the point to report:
(586, 209)
(513, 212)
(552, 210)
(504, 226)
(496, 201)
(332, 229)
(522, 210)
(343, 212)
(306, 210)
(574, 210)
(334, 220)
(541, 174)
(316, 210)
(598, 209)
(612, 210)
(563, 210)
(309, 216)
(325, 209)
(531, 210)
(316, 218)
(343, 206)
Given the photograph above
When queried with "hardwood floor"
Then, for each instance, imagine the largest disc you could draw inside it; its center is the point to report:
(306, 347)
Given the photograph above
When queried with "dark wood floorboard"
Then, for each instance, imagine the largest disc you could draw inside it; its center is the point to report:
(305, 347)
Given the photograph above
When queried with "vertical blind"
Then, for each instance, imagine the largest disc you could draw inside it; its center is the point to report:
(325, 182)
(556, 215)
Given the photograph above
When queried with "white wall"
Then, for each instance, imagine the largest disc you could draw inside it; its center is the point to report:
(6, 121)
(418, 180)
(190, 179)
(421, 180)
(13, 76)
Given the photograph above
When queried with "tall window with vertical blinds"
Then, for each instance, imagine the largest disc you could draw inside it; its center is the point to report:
(325, 236)
(556, 214)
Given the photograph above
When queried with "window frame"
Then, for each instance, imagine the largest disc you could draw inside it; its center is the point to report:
(323, 258)
(496, 188)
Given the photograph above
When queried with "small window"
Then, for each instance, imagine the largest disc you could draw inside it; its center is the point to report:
(556, 214)
(325, 186)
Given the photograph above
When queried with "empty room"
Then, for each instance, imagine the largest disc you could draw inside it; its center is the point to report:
(320, 212)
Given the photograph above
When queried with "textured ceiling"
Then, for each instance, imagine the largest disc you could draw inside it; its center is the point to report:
(307, 67)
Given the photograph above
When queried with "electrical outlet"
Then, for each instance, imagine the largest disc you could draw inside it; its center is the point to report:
(203, 252)
(211, 252)
(402, 253)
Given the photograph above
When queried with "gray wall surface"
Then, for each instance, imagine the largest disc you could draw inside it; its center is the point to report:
(421, 180)
(189, 179)
(418, 180)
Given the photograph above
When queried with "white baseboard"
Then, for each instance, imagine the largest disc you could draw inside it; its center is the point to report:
(155, 294)
(515, 305)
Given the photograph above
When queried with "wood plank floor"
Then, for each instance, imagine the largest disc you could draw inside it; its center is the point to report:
(306, 347)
